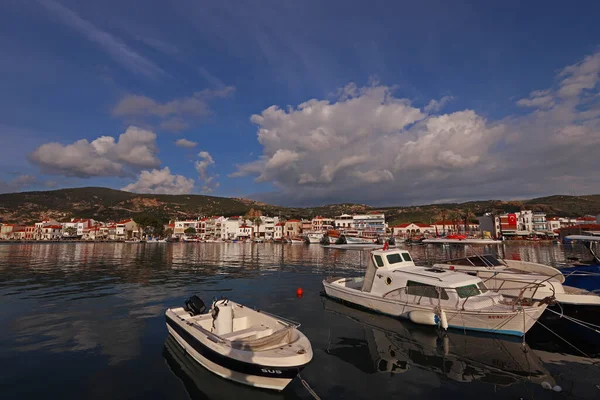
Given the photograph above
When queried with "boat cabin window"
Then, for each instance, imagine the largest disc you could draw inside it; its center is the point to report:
(424, 290)
(406, 257)
(394, 258)
(471, 290)
(378, 261)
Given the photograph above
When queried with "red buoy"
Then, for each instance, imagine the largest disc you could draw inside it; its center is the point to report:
(299, 292)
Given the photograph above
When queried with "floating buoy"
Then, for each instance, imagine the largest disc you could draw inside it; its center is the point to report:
(299, 292)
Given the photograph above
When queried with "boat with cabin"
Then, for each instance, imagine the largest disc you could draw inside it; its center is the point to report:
(515, 278)
(313, 237)
(395, 286)
(239, 343)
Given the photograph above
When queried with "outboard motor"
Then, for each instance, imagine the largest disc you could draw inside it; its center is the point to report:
(195, 306)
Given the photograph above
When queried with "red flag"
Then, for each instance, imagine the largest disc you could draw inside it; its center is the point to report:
(436, 232)
(512, 219)
(386, 245)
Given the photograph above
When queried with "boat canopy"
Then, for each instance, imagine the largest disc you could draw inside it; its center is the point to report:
(486, 260)
(584, 238)
(389, 259)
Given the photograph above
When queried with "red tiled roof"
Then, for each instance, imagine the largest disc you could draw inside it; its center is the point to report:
(280, 224)
(54, 226)
(586, 219)
(449, 222)
(293, 220)
(401, 226)
(423, 225)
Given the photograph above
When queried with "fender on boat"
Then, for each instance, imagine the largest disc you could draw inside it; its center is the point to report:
(423, 317)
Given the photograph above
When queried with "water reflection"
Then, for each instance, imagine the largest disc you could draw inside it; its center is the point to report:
(88, 319)
(393, 346)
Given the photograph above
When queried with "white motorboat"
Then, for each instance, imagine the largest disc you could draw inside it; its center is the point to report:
(156, 240)
(295, 240)
(240, 344)
(515, 278)
(395, 286)
(357, 240)
(313, 237)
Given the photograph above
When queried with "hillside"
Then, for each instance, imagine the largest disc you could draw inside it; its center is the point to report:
(107, 204)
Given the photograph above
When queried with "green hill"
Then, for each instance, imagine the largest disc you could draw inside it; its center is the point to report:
(109, 205)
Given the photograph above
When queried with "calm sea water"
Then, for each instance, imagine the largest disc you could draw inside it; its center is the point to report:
(87, 321)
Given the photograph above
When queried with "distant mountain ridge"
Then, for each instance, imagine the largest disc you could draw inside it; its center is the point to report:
(105, 204)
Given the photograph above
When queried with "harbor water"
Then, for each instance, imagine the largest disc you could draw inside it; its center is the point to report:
(86, 321)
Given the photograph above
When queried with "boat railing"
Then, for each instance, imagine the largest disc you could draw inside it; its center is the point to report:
(441, 294)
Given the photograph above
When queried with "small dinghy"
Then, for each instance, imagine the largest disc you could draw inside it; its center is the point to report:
(240, 344)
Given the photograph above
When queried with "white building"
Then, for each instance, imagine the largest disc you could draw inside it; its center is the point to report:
(372, 223)
(404, 230)
(230, 227)
(52, 232)
(127, 229)
(344, 221)
(538, 222)
(278, 231)
(245, 232)
(552, 224)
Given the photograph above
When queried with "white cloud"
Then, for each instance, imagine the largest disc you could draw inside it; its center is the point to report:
(367, 145)
(115, 47)
(188, 144)
(161, 181)
(135, 149)
(171, 114)
(437, 105)
(202, 165)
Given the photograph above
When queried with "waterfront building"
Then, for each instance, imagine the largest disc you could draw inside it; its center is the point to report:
(552, 224)
(52, 232)
(306, 225)
(411, 229)
(6, 232)
(278, 231)
(538, 222)
(245, 232)
(344, 221)
(320, 224)
(127, 229)
(588, 219)
(371, 224)
(293, 228)
(229, 227)
(181, 226)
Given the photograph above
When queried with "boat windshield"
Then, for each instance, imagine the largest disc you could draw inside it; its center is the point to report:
(471, 290)
(394, 258)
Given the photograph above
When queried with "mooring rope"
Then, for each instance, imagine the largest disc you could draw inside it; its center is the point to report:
(585, 324)
(308, 388)
(569, 343)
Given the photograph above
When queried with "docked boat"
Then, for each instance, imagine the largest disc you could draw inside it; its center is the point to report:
(296, 240)
(313, 237)
(585, 274)
(240, 344)
(515, 278)
(357, 240)
(395, 286)
(156, 240)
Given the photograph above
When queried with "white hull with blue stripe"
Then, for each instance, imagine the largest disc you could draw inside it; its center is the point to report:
(395, 286)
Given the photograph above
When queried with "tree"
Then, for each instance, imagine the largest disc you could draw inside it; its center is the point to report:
(190, 231)
(257, 223)
(150, 224)
(71, 231)
(168, 232)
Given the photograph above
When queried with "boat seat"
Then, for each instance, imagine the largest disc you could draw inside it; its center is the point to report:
(255, 330)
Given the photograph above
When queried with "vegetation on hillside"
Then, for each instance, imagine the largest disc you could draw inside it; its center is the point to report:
(112, 205)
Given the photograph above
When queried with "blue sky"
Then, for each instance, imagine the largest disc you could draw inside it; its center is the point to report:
(199, 70)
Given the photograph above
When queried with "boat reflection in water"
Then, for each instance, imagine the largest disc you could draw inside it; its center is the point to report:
(203, 384)
(395, 346)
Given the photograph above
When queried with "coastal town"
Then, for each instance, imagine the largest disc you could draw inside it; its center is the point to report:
(524, 224)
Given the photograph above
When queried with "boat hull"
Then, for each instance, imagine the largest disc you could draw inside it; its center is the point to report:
(262, 376)
(514, 323)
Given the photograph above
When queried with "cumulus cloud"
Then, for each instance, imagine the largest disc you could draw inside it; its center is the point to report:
(202, 164)
(171, 114)
(368, 145)
(161, 181)
(135, 149)
(188, 144)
